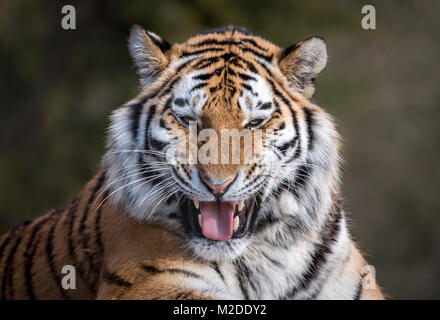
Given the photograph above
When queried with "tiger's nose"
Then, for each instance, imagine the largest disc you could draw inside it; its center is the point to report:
(217, 188)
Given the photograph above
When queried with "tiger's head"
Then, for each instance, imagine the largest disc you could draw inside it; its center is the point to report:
(223, 126)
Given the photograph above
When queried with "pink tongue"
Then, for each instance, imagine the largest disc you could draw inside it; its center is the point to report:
(217, 219)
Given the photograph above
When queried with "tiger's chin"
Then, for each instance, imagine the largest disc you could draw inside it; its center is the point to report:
(219, 230)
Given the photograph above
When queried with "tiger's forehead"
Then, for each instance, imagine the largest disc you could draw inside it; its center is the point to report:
(223, 79)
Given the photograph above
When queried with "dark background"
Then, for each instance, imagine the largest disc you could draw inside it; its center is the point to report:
(58, 88)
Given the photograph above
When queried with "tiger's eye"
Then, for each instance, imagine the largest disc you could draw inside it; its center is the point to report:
(185, 120)
(255, 123)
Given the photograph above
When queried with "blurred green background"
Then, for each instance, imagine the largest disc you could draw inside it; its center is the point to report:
(58, 88)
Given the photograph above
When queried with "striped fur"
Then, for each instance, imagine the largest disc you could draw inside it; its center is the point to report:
(127, 232)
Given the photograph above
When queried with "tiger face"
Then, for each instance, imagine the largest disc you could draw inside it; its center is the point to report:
(223, 125)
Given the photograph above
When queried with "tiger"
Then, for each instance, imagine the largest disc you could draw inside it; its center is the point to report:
(150, 225)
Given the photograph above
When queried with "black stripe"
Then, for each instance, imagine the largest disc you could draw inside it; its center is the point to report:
(256, 45)
(288, 144)
(246, 77)
(203, 76)
(271, 260)
(250, 66)
(86, 236)
(5, 243)
(163, 125)
(9, 271)
(190, 53)
(51, 256)
(265, 106)
(71, 248)
(216, 88)
(266, 68)
(260, 55)
(184, 65)
(71, 216)
(278, 93)
(249, 88)
(97, 187)
(205, 62)
(157, 144)
(310, 122)
(295, 125)
(302, 176)
(168, 104)
(227, 56)
(211, 41)
(198, 86)
(113, 278)
(249, 183)
(288, 50)
(169, 87)
(295, 155)
(231, 72)
(151, 112)
(154, 270)
(321, 252)
(147, 173)
(7, 264)
(9, 236)
(28, 269)
(282, 126)
(267, 220)
(135, 116)
(98, 223)
(29, 254)
(287, 232)
(217, 269)
(358, 292)
(244, 276)
(183, 181)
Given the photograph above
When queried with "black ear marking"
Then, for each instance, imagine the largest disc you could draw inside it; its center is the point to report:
(158, 41)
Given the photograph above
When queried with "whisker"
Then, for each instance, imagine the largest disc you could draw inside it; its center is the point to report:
(150, 194)
(126, 185)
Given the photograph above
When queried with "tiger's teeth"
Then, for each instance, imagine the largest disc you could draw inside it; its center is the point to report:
(240, 205)
(200, 220)
(236, 222)
(196, 203)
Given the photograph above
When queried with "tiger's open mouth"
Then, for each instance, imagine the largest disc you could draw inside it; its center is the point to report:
(220, 220)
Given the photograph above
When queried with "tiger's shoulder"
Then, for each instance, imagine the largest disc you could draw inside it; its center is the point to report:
(113, 255)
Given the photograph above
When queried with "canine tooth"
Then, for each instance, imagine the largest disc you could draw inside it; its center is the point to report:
(200, 219)
(196, 203)
(236, 222)
(240, 205)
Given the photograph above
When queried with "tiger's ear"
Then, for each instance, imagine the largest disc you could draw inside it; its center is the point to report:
(302, 62)
(148, 51)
